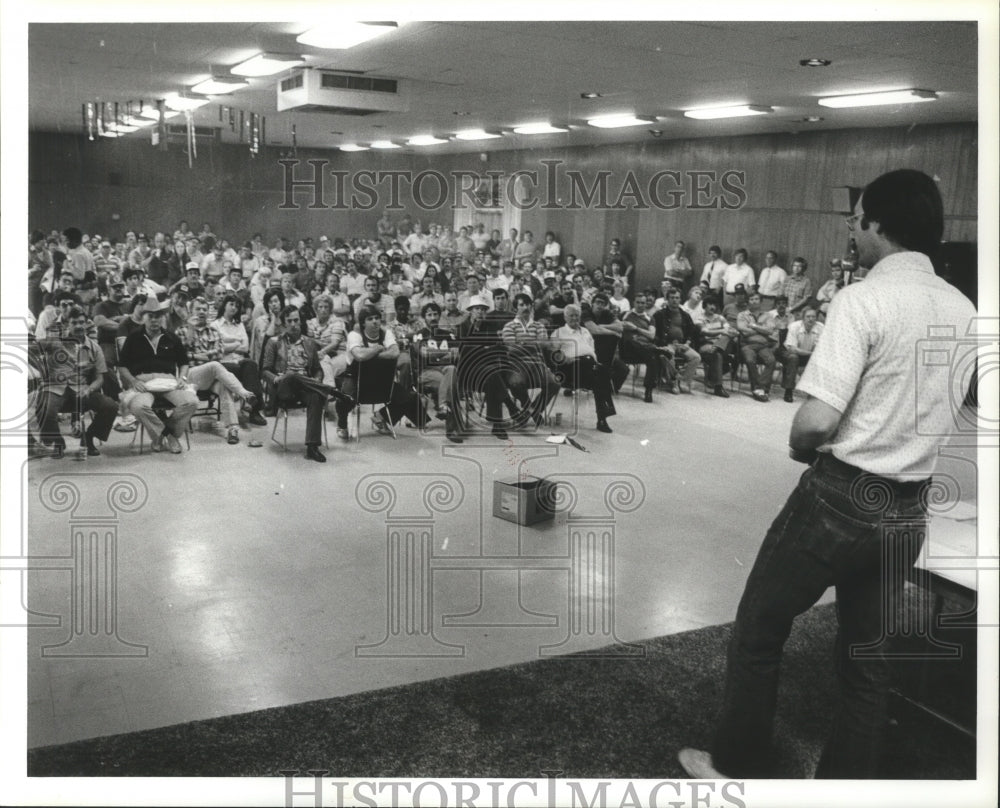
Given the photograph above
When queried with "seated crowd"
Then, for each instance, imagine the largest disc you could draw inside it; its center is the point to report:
(138, 330)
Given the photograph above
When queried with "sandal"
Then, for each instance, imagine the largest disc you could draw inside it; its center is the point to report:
(233, 437)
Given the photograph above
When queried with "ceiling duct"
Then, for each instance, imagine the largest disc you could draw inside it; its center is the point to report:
(341, 93)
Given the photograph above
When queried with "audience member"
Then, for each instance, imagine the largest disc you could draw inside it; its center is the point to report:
(154, 361)
(771, 282)
(676, 332)
(800, 342)
(73, 370)
(371, 342)
(576, 362)
(757, 342)
(526, 339)
(716, 337)
(435, 355)
(292, 373)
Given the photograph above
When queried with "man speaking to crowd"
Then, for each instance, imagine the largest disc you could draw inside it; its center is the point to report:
(871, 438)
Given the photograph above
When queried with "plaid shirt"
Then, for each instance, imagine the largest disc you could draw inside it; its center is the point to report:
(203, 339)
(68, 364)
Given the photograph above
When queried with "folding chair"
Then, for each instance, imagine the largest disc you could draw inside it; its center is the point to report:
(160, 406)
(376, 382)
(282, 413)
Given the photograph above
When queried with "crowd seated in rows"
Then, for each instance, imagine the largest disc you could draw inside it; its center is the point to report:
(509, 320)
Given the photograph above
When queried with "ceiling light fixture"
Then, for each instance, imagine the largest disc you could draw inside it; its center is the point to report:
(590, 96)
(153, 113)
(425, 140)
(266, 64)
(340, 35)
(385, 144)
(538, 129)
(353, 147)
(137, 122)
(814, 62)
(878, 99)
(811, 119)
(617, 121)
(181, 104)
(741, 111)
(219, 85)
(476, 134)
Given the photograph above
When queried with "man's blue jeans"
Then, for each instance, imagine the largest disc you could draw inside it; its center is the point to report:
(840, 527)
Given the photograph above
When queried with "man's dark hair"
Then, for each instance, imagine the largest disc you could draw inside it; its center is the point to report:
(60, 296)
(522, 297)
(907, 206)
(367, 312)
(432, 306)
(138, 300)
(75, 313)
(74, 238)
(283, 314)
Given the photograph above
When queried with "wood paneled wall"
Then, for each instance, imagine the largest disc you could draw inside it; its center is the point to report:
(786, 179)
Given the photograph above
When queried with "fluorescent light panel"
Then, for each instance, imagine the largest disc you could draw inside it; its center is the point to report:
(153, 113)
(340, 35)
(183, 104)
(219, 86)
(266, 64)
(425, 140)
(740, 111)
(137, 122)
(618, 121)
(353, 147)
(538, 129)
(385, 144)
(475, 134)
(878, 99)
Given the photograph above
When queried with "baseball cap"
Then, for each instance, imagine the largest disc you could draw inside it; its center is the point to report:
(739, 289)
(477, 301)
(549, 276)
(579, 262)
(192, 265)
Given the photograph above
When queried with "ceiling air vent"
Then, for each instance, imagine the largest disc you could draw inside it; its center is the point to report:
(341, 93)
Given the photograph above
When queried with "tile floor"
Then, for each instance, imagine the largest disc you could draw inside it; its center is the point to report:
(255, 578)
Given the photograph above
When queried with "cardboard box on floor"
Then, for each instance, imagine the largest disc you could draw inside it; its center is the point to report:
(525, 501)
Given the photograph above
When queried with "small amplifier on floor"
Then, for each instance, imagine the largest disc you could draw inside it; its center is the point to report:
(526, 501)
